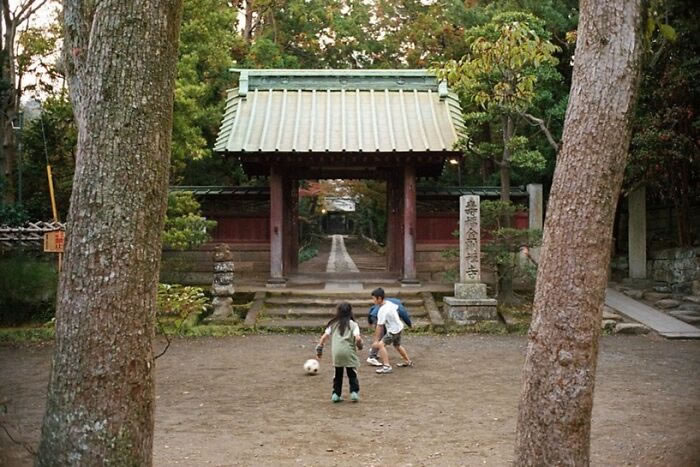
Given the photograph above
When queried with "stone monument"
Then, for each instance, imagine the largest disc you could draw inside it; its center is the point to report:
(222, 286)
(470, 303)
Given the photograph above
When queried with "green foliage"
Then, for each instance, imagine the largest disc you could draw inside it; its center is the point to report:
(27, 289)
(309, 223)
(25, 335)
(504, 242)
(508, 73)
(370, 216)
(500, 70)
(35, 49)
(51, 139)
(13, 215)
(185, 227)
(207, 36)
(175, 300)
(307, 252)
(666, 130)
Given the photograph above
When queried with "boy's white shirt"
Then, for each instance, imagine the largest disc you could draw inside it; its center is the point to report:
(353, 326)
(388, 316)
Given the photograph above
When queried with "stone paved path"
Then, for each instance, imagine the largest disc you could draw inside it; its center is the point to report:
(662, 323)
(339, 260)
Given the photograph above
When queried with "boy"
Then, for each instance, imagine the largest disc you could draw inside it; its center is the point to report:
(388, 320)
(372, 320)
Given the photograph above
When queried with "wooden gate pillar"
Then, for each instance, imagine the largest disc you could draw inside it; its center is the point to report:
(291, 225)
(276, 278)
(394, 224)
(409, 224)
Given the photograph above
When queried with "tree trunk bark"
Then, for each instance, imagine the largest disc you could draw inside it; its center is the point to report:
(9, 103)
(120, 60)
(505, 162)
(248, 27)
(554, 419)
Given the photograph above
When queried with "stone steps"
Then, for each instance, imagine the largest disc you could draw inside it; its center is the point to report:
(329, 311)
(317, 325)
(297, 301)
(311, 310)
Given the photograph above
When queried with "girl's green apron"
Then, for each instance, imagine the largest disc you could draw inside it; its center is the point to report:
(344, 350)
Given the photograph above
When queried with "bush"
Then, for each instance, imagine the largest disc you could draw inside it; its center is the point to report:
(185, 227)
(27, 289)
(307, 252)
(179, 301)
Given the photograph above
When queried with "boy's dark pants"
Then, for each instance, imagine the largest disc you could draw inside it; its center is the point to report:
(338, 380)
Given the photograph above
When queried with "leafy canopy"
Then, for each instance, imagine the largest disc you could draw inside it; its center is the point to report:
(501, 68)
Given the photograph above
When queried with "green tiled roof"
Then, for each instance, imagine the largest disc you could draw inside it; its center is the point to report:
(422, 192)
(339, 111)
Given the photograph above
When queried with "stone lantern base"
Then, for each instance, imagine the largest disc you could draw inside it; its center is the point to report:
(468, 311)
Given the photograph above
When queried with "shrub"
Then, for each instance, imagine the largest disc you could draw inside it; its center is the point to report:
(27, 289)
(179, 301)
(185, 227)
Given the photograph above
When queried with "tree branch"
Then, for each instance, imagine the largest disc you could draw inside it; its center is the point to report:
(539, 122)
(26, 10)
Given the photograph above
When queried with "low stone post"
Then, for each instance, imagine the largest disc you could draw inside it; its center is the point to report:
(470, 303)
(222, 286)
(637, 233)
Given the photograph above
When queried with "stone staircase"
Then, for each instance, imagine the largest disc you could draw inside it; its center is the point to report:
(310, 311)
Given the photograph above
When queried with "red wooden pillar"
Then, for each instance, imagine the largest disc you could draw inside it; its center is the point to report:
(290, 232)
(394, 231)
(294, 212)
(409, 225)
(286, 225)
(390, 226)
(276, 228)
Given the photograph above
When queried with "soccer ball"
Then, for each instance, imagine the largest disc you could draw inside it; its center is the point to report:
(311, 366)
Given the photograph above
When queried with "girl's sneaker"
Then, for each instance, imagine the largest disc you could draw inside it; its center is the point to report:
(336, 398)
(408, 364)
(373, 361)
(384, 369)
(355, 397)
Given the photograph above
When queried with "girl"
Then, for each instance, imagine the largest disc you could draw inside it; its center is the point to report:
(345, 340)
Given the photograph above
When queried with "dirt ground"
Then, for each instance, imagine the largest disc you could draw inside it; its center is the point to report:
(246, 401)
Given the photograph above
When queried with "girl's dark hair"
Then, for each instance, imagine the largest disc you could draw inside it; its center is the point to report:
(343, 315)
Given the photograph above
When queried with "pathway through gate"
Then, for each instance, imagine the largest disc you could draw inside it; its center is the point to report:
(339, 260)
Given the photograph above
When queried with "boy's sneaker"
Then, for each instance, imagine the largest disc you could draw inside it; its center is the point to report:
(408, 364)
(373, 361)
(336, 398)
(384, 369)
(355, 397)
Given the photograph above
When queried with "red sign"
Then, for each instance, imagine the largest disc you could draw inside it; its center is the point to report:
(53, 241)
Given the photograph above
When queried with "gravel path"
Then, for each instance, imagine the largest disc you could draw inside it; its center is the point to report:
(245, 401)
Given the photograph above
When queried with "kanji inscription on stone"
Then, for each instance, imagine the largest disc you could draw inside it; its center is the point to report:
(469, 239)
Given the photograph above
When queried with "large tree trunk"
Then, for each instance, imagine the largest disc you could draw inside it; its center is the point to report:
(120, 60)
(554, 419)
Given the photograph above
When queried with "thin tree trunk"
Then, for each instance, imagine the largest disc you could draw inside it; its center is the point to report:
(248, 27)
(554, 419)
(8, 104)
(505, 161)
(120, 60)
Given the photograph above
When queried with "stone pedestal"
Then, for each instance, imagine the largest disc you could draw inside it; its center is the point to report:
(276, 282)
(468, 311)
(222, 286)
